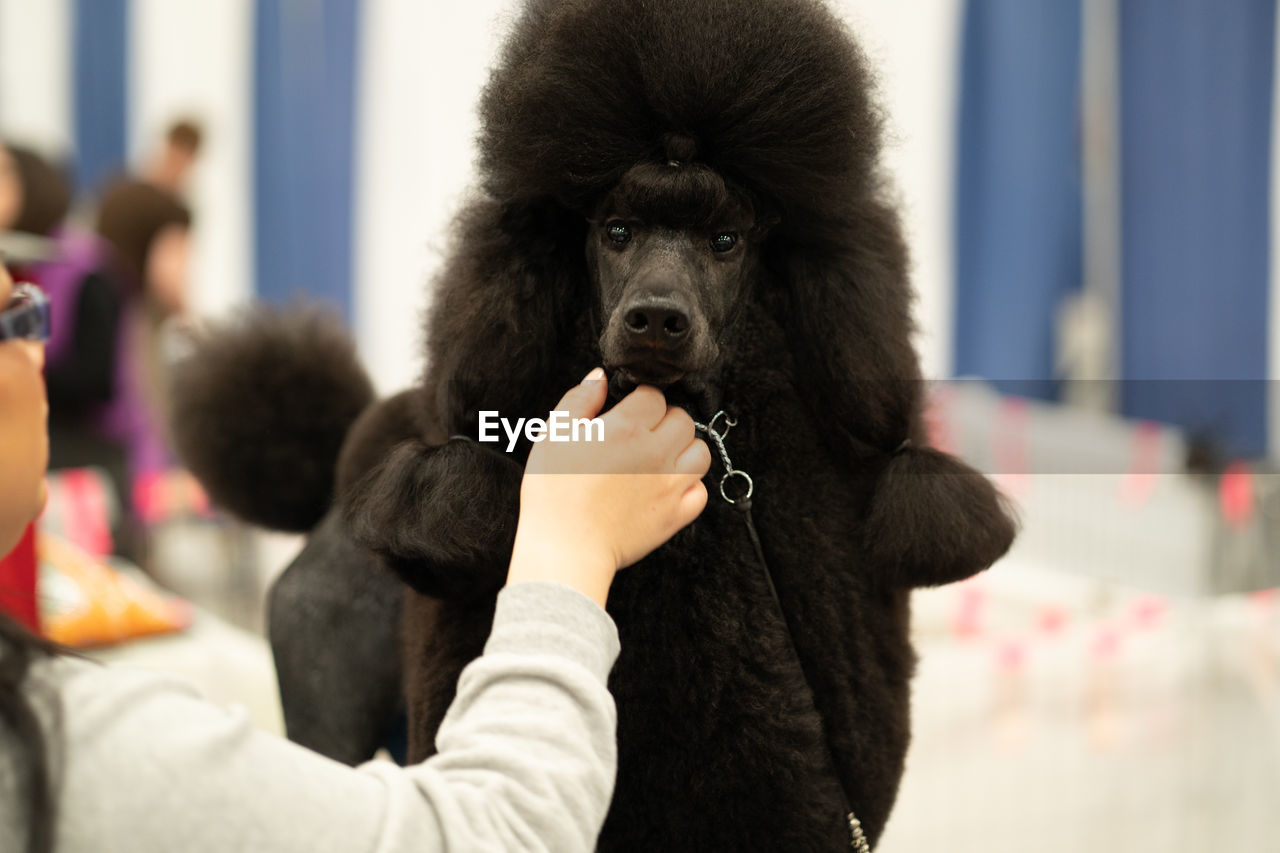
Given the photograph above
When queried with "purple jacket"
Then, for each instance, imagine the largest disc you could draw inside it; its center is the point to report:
(126, 418)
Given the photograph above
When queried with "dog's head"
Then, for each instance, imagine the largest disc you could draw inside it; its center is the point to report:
(671, 253)
(666, 164)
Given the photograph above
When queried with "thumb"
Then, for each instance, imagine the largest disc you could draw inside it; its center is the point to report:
(585, 399)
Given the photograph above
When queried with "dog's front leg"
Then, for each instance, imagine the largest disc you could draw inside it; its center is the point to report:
(442, 517)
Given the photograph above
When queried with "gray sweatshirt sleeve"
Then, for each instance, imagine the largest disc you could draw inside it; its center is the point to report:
(526, 759)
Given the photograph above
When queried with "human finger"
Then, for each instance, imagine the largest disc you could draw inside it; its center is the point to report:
(645, 406)
(691, 504)
(675, 430)
(585, 399)
(695, 459)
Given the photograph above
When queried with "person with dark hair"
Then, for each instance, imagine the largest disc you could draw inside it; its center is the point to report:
(35, 194)
(147, 231)
(111, 295)
(34, 199)
(171, 167)
(96, 759)
(85, 301)
(107, 368)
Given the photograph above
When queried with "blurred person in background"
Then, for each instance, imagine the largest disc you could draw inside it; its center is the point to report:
(35, 194)
(170, 167)
(115, 297)
(146, 233)
(70, 266)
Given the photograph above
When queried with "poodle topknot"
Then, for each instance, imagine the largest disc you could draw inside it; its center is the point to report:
(775, 95)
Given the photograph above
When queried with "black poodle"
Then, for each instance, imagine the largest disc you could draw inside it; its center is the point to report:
(688, 192)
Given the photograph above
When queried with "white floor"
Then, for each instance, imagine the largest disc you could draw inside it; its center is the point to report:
(1055, 714)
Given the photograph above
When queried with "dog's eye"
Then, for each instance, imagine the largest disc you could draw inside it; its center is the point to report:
(619, 234)
(724, 241)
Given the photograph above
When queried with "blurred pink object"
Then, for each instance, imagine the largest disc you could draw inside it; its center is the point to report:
(1140, 481)
(1013, 460)
(80, 509)
(967, 623)
(159, 496)
(1235, 495)
(937, 419)
(1106, 644)
(1052, 618)
(1011, 655)
(1149, 611)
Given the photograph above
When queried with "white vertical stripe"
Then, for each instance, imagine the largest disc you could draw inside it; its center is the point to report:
(1089, 322)
(916, 54)
(1273, 328)
(421, 70)
(35, 74)
(194, 58)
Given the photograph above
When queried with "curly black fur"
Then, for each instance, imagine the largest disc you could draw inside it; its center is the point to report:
(725, 741)
(261, 409)
(435, 549)
(776, 97)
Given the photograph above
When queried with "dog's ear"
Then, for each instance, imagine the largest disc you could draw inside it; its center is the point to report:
(504, 311)
(932, 519)
(848, 320)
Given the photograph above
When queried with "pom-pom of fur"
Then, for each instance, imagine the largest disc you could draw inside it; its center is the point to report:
(443, 518)
(936, 519)
(260, 411)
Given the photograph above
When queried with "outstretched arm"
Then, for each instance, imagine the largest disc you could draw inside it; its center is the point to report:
(526, 755)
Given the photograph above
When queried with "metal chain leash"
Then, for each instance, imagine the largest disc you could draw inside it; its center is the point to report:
(857, 838)
(730, 472)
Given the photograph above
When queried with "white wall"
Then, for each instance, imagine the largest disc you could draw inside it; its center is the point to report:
(916, 47)
(35, 74)
(422, 69)
(195, 58)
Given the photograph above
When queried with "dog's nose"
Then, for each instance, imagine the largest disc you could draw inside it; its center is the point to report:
(656, 321)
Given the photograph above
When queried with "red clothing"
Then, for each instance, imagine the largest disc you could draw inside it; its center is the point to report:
(18, 582)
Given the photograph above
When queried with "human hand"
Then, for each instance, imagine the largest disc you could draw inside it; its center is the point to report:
(24, 439)
(589, 508)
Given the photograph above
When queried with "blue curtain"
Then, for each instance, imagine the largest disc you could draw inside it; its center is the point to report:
(1018, 200)
(1196, 160)
(100, 51)
(304, 128)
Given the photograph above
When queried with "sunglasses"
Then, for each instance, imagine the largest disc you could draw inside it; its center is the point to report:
(26, 317)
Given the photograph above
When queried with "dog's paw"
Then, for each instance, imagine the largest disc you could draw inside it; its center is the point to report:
(443, 518)
(937, 520)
